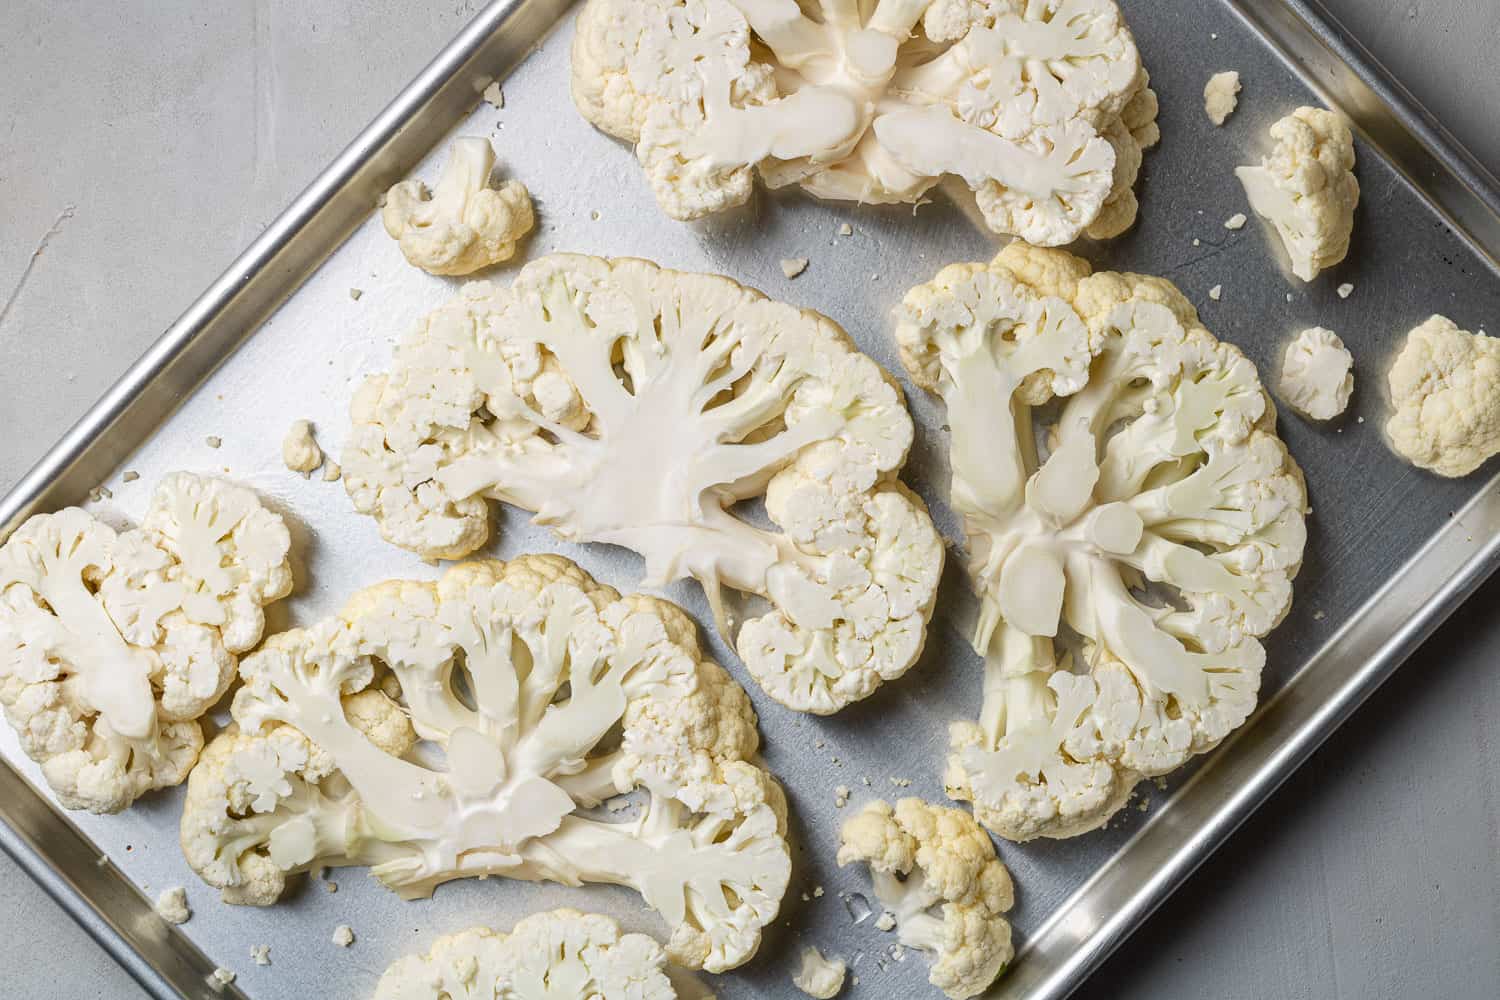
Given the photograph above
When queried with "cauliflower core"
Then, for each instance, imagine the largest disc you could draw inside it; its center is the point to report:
(935, 871)
(1445, 387)
(1317, 375)
(1150, 520)
(1306, 188)
(113, 644)
(561, 955)
(462, 224)
(1042, 107)
(544, 692)
(636, 406)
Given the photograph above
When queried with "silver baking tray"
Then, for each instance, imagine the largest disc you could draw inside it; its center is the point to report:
(1392, 553)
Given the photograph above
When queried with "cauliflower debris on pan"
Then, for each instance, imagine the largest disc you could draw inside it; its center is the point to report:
(113, 644)
(1445, 387)
(1317, 375)
(1306, 188)
(934, 869)
(819, 977)
(299, 449)
(560, 955)
(1221, 96)
(462, 224)
(632, 405)
(544, 692)
(1031, 104)
(1124, 496)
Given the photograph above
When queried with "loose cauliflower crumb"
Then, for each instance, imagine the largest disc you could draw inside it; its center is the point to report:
(846, 230)
(1346, 290)
(343, 935)
(172, 906)
(886, 921)
(1220, 96)
(841, 796)
(1236, 221)
(1216, 293)
(1445, 386)
(299, 452)
(1306, 188)
(1316, 374)
(261, 953)
(494, 96)
(332, 471)
(819, 977)
(793, 266)
(222, 976)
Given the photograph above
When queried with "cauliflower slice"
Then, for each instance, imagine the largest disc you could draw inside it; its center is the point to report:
(934, 869)
(545, 692)
(1306, 188)
(462, 225)
(872, 102)
(113, 644)
(557, 955)
(1317, 375)
(1445, 388)
(1150, 520)
(636, 406)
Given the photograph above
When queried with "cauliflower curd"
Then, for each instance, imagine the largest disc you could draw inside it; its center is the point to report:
(636, 406)
(1041, 106)
(1149, 520)
(1445, 387)
(437, 731)
(114, 644)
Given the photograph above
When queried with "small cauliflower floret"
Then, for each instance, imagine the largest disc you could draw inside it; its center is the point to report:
(1317, 374)
(635, 406)
(1028, 103)
(935, 871)
(112, 645)
(1445, 387)
(1221, 96)
(572, 695)
(1306, 188)
(172, 905)
(559, 955)
(299, 450)
(819, 977)
(462, 225)
(1122, 490)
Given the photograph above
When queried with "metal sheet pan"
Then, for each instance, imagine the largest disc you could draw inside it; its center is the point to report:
(278, 337)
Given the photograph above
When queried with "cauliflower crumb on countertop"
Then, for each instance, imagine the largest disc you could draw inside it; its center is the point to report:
(261, 953)
(299, 451)
(793, 266)
(1216, 293)
(343, 935)
(1220, 96)
(172, 905)
(1236, 221)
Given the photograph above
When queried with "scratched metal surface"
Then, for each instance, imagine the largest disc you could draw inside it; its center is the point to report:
(1372, 512)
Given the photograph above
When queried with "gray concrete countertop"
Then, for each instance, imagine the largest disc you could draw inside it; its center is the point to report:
(144, 142)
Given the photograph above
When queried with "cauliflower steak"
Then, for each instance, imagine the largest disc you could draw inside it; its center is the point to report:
(632, 405)
(1041, 106)
(544, 692)
(114, 644)
(1149, 520)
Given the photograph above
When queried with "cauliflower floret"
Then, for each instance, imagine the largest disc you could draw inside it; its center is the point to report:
(1445, 387)
(555, 954)
(720, 396)
(1161, 521)
(112, 645)
(1317, 374)
(1221, 96)
(574, 695)
(819, 977)
(299, 450)
(462, 225)
(866, 105)
(1306, 188)
(934, 869)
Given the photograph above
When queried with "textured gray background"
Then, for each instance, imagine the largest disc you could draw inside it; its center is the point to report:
(144, 142)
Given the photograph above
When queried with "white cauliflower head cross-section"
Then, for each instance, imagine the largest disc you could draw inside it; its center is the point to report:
(1307, 189)
(1317, 376)
(113, 644)
(545, 693)
(1149, 519)
(935, 870)
(1029, 103)
(632, 405)
(1445, 388)
(558, 955)
(462, 224)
